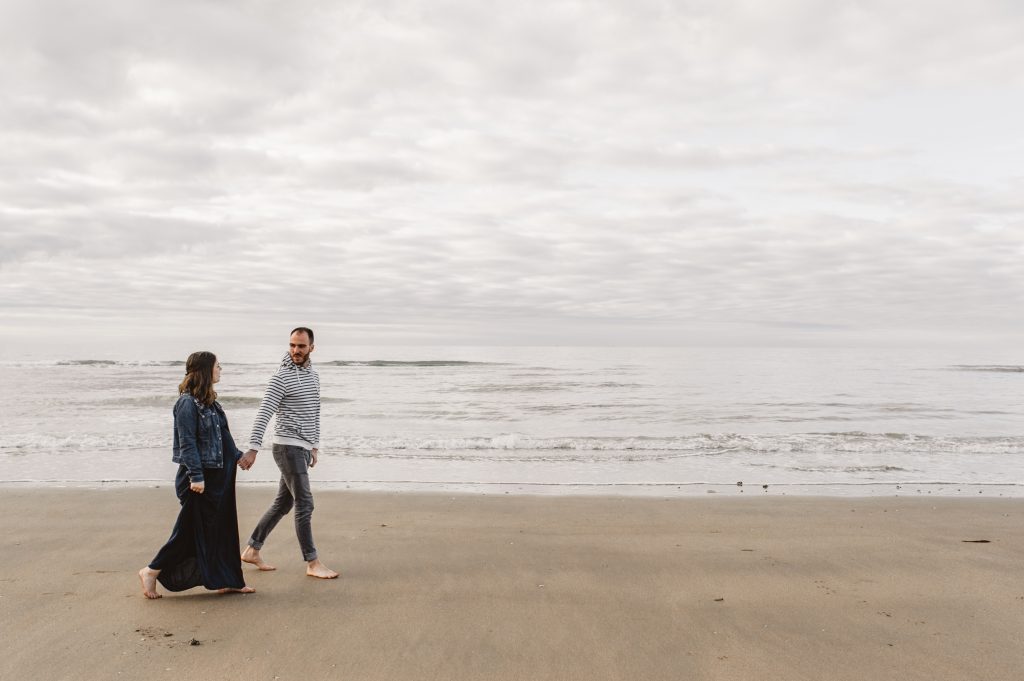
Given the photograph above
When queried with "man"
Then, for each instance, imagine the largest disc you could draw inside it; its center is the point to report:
(294, 395)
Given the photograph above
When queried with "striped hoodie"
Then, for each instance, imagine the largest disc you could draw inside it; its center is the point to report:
(294, 395)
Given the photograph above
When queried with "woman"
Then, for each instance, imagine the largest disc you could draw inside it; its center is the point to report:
(203, 548)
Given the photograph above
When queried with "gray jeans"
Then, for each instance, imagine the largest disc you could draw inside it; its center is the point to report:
(293, 490)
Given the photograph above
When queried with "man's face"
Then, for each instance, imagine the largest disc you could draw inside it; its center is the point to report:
(299, 347)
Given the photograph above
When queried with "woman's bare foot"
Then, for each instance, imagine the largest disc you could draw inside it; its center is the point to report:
(252, 556)
(243, 590)
(319, 570)
(148, 578)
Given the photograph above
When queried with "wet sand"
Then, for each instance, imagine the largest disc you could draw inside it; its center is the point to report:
(502, 587)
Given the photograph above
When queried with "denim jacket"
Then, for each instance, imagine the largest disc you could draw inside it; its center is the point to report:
(198, 437)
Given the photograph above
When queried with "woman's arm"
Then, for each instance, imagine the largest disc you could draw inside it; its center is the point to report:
(186, 422)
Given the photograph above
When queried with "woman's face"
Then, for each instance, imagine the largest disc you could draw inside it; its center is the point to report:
(216, 371)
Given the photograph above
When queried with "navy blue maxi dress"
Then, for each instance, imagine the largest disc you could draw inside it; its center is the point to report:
(203, 548)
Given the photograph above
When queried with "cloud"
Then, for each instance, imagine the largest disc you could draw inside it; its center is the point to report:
(791, 166)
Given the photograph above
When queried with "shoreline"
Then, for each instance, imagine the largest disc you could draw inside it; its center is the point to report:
(453, 586)
(671, 490)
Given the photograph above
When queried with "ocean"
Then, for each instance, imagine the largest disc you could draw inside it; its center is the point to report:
(636, 421)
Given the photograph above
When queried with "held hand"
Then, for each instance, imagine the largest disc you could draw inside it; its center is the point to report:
(247, 460)
(198, 487)
(312, 460)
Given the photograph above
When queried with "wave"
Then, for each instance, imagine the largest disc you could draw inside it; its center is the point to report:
(142, 401)
(696, 444)
(26, 444)
(769, 449)
(849, 469)
(397, 363)
(250, 401)
(168, 401)
(536, 387)
(516, 388)
(997, 368)
(118, 363)
(376, 363)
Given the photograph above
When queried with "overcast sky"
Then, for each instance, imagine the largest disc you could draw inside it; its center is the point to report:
(619, 172)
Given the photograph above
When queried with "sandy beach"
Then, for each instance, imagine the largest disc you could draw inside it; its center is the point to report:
(502, 587)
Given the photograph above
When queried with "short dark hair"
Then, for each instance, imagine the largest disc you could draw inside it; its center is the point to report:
(303, 329)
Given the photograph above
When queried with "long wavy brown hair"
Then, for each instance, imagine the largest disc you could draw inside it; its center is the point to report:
(199, 377)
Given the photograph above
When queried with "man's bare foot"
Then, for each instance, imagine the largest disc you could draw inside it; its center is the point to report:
(243, 590)
(252, 556)
(148, 579)
(319, 570)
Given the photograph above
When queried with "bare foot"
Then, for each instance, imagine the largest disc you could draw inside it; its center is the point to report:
(243, 590)
(148, 579)
(252, 556)
(319, 570)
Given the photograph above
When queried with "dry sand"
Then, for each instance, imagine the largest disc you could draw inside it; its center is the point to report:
(484, 587)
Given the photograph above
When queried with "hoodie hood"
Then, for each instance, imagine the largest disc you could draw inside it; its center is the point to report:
(287, 363)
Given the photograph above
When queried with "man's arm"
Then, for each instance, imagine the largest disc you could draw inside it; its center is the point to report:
(316, 428)
(268, 407)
